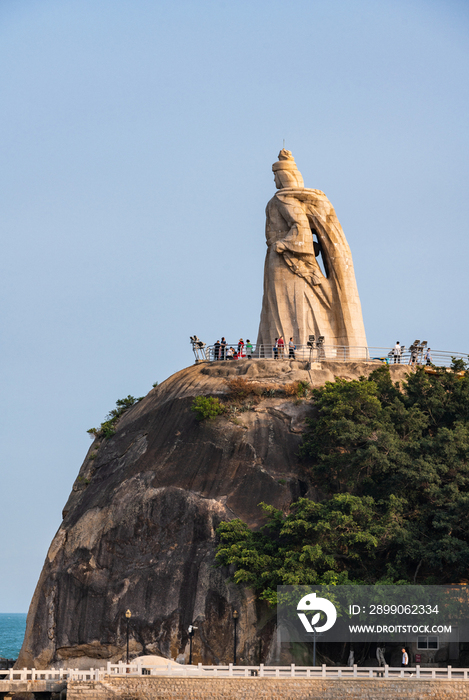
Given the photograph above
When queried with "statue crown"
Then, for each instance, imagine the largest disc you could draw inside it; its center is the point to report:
(285, 155)
(285, 161)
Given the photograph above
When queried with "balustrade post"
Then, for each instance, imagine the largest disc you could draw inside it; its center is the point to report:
(261, 671)
(199, 669)
(355, 670)
(417, 672)
(277, 673)
(449, 672)
(230, 670)
(33, 674)
(386, 671)
(292, 670)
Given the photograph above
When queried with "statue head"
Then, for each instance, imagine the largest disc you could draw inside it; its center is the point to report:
(286, 174)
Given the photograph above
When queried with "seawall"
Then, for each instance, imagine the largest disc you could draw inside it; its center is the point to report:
(266, 689)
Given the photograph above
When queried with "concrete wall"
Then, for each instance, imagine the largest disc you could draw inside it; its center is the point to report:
(148, 688)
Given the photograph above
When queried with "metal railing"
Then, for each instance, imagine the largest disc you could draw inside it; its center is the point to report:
(342, 353)
(338, 353)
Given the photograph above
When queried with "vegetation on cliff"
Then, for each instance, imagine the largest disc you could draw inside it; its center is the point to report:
(108, 427)
(207, 407)
(243, 395)
(392, 466)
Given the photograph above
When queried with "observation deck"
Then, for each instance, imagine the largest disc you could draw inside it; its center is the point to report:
(316, 352)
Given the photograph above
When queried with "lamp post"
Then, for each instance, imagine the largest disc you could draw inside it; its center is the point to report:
(235, 622)
(128, 615)
(314, 646)
(191, 631)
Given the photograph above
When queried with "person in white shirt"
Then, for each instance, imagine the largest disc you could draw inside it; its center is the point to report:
(405, 658)
(396, 351)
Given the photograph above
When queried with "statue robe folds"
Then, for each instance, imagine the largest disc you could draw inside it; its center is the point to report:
(299, 299)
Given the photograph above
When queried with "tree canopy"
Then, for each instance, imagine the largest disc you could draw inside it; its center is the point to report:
(391, 465)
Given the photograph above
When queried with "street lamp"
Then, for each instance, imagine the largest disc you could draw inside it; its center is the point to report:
(128, 615)
(235, 622)
(191, 631)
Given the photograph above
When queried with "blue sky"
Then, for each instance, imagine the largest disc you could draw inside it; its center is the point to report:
(137, 144)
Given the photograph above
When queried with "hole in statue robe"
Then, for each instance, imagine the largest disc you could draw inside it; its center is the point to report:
(320, 257)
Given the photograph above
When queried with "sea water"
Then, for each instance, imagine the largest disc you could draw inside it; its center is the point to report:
(12, 627)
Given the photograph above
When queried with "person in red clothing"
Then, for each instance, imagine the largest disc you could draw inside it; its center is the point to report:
(241, 348)
(281, 346)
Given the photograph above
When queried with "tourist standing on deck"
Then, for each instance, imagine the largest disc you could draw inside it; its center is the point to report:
(248, 349)
(291, 349)
(396, 351)
(223, 348)
(216, 353)
(281, 346)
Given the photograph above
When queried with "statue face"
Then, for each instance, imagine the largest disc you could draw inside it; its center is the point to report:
(287, 178)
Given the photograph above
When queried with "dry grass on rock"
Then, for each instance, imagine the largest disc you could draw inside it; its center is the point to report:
(240, 389)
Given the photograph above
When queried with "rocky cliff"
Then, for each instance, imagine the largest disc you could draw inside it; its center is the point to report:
(139, 526)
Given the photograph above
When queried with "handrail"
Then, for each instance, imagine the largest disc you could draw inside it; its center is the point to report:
(320, 353)
(173, 669)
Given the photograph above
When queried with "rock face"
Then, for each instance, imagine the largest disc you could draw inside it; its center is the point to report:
(139, 526)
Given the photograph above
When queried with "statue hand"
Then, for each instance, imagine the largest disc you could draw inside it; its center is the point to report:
(280, 247)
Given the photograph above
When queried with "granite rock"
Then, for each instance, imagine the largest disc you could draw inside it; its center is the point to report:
(139, 526)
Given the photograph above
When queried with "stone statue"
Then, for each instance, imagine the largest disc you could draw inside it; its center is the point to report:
(299, 298)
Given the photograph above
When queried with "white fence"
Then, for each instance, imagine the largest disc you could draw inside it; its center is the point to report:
(51, 674)
(175, 670)
(292, 671)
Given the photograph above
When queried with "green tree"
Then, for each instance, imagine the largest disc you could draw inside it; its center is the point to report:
(391, 466)
(207, 407)
(333, 542)
(108, 427)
